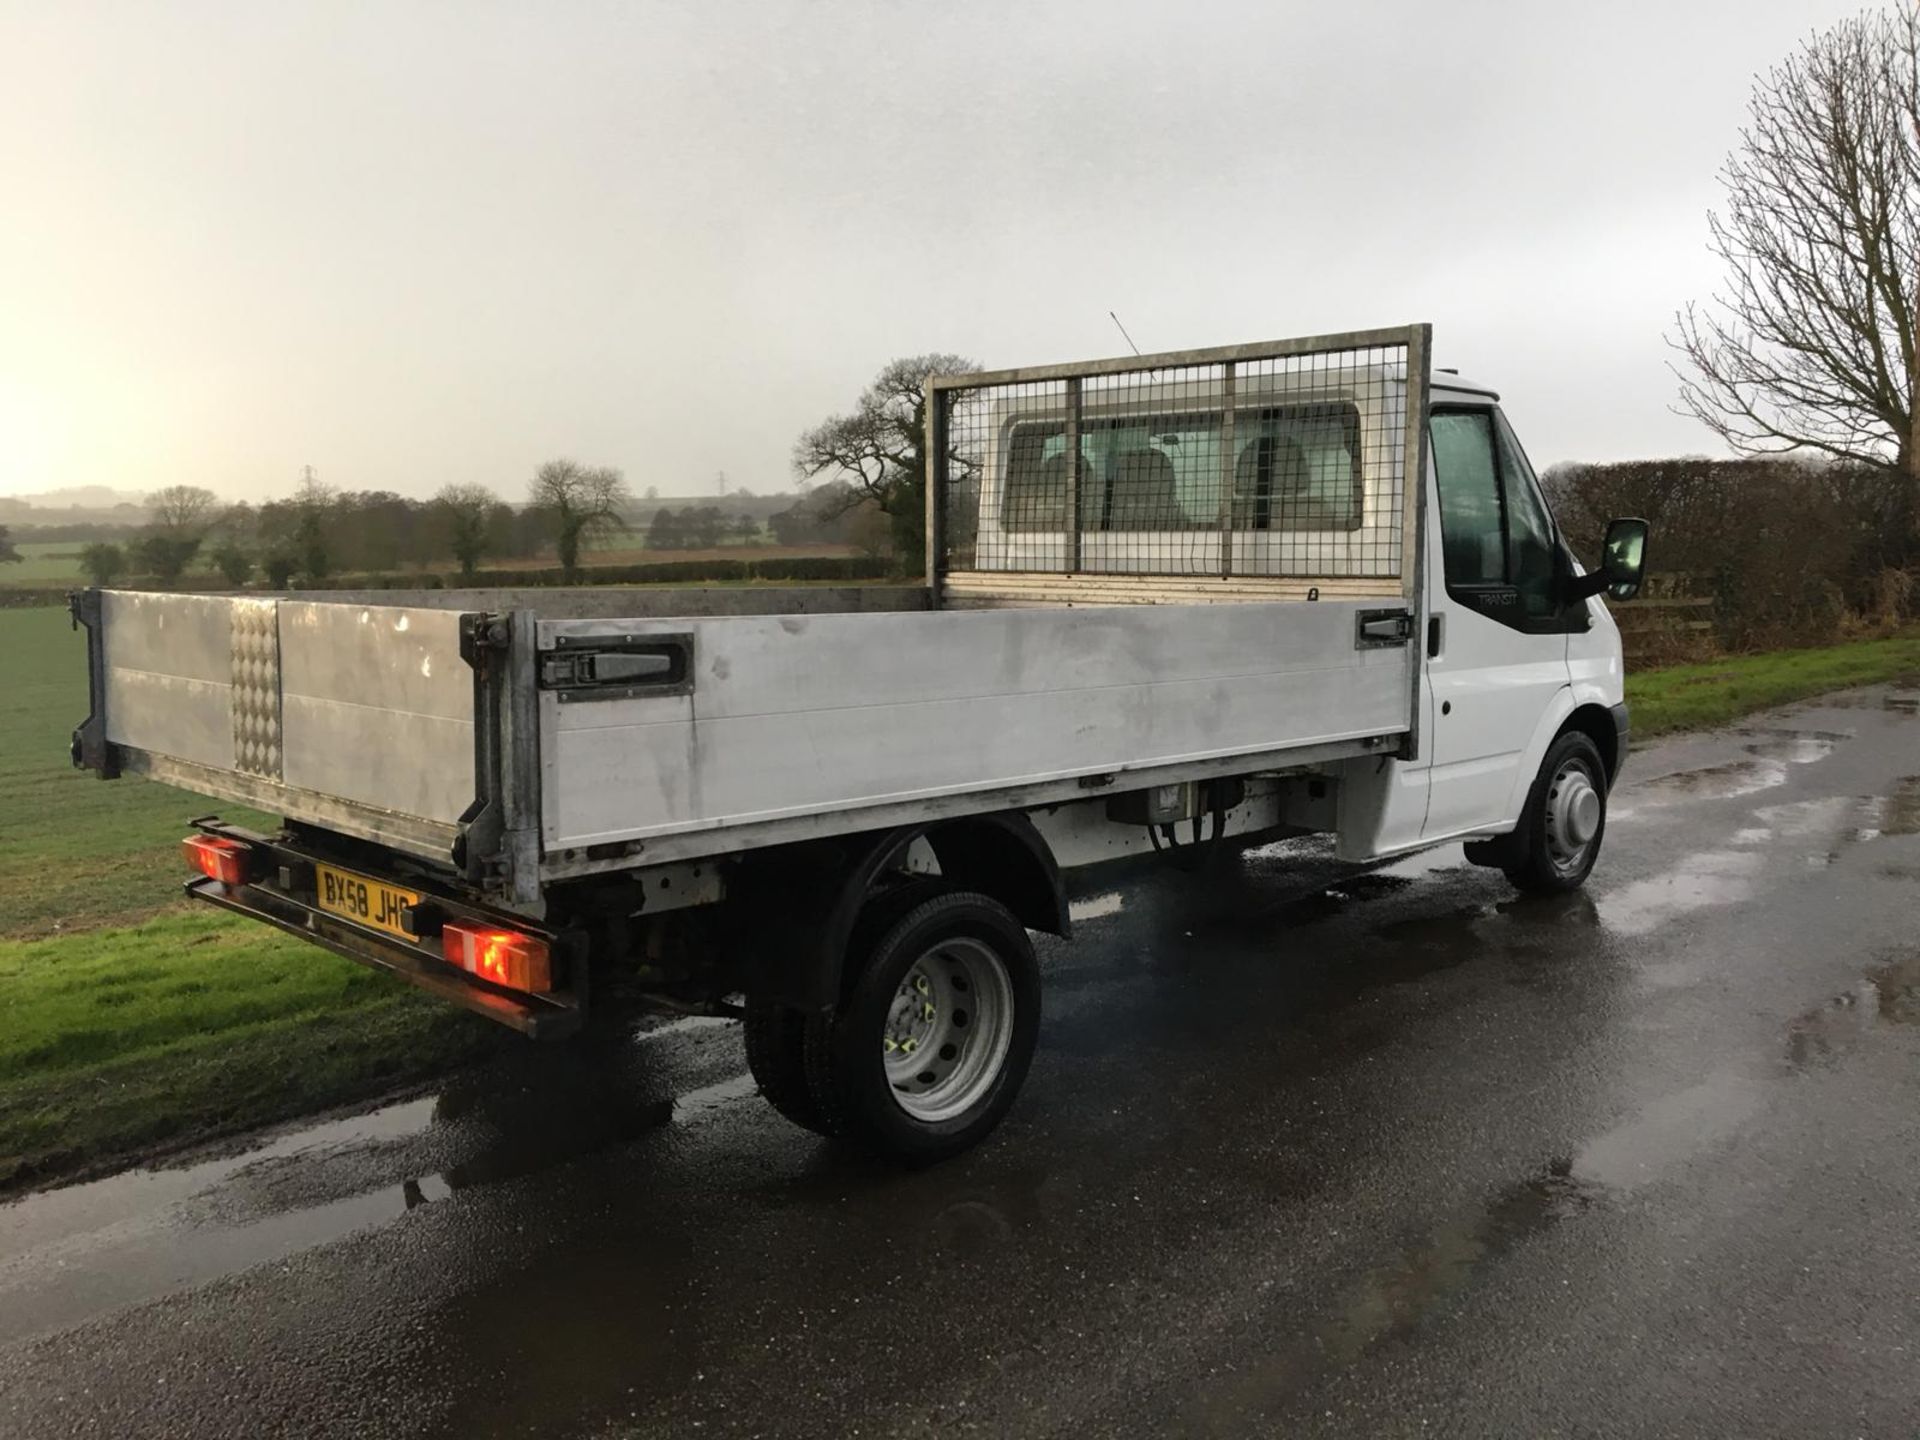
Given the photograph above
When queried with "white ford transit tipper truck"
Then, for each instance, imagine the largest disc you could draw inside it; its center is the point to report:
(1199, 599)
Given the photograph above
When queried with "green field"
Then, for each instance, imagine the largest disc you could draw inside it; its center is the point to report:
(43, 563)
(76, 851)
(127, 1016)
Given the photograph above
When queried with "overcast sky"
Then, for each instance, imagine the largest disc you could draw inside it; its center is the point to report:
(410, 243)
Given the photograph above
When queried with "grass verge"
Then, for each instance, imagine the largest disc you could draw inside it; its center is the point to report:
(115, 1041)
(1699, 697)
(130, 1020)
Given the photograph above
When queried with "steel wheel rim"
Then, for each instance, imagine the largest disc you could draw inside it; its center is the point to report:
(1576, 809)
(948, 1030)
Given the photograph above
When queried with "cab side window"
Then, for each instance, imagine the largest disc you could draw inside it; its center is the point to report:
(1496, 535)
(1473, 524)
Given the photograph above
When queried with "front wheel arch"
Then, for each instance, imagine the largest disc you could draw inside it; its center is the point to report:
(1596, 722)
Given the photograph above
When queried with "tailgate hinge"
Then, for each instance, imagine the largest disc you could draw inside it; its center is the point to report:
(482, 635)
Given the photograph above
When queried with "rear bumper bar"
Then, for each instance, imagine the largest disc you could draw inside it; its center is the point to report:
(547, 1016)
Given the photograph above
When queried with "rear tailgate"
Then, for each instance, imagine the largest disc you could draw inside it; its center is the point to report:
(357, 718)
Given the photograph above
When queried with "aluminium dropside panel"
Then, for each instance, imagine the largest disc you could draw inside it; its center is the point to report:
(793, 726)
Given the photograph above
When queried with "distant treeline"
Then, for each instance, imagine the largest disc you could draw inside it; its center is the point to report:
(78, 533)
(321, 534)
(833, 514)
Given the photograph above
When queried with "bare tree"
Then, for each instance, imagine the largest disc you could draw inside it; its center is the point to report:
(466, 510)
(584, 501)
(878, 448)
(1810, 345)
(313, 506)
(183, 509)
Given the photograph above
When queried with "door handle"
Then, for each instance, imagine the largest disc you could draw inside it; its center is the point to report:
(1436, 632)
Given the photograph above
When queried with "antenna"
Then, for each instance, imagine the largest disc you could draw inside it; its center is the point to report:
(1123, 332)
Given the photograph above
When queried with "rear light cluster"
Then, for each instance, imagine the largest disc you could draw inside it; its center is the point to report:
(218, 858)
(506, 957)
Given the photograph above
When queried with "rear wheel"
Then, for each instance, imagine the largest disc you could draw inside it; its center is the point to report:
(776, 1054)
(934, 1039)
(1553, 848)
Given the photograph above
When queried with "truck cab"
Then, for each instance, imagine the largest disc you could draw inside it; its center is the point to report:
(1512, 649)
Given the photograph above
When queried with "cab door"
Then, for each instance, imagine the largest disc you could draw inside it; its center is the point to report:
(1497, 634)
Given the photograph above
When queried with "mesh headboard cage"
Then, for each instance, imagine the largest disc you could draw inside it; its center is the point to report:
(1282, 461)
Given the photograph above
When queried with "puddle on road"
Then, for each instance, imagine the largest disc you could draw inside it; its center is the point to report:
(1395, 1298)
(1425, 863)
(1368, 885)
(1897, 813)
(1096, 907)
(1666, 1133)
(1392, 1300)
(1699, 881)
(1899, 699)
(709, 1098)
(72, 1253)
(1802, 820)
(1768, 762)
(1837, 822)
(1417, 1286)
(1888, 995)
(1795, 747)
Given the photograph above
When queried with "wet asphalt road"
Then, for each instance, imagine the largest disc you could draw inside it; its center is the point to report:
(1302, 1153)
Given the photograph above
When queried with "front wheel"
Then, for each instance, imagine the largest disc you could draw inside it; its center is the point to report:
(933, 1042)
(1552, 849)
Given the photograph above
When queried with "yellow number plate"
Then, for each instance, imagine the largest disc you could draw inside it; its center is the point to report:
(367, 902)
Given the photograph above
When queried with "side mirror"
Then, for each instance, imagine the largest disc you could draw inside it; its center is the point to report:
(1624, 557)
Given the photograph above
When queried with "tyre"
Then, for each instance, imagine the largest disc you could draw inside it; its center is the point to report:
(776, 1037)
(930, 1047)
(1552, 849)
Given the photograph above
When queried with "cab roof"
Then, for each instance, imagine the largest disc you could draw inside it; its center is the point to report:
(1447, 380)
